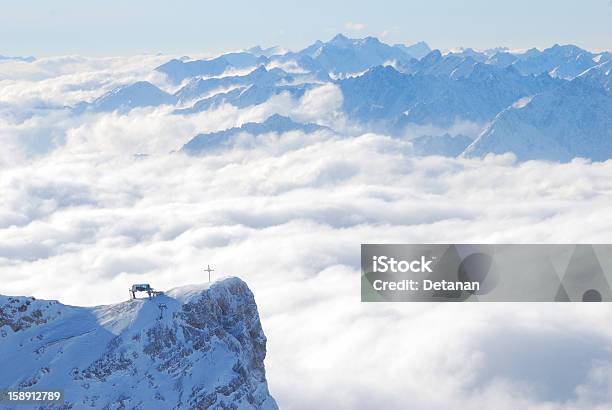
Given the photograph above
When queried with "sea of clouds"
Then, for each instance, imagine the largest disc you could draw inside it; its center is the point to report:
(93, 203)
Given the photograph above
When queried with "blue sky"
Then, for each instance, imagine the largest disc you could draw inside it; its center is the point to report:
(112, 27)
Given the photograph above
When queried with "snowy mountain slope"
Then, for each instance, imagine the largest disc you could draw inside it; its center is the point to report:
(266, 52)
(211, 102)
(453, 66)
(246, 96)
(385, 95)
(480, 56)
(434, 63)
(206, 350)
(416, 50)
(276, 123)
(178, 70)
(139, 94)
(600, 75)
(572, 121)
(502, 59)
(198, 87)
(561, 61)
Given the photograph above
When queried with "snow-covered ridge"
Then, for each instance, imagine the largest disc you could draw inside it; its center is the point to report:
(398, 90)
(192, 347)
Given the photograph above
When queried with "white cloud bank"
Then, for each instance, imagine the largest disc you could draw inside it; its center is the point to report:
(288, 213)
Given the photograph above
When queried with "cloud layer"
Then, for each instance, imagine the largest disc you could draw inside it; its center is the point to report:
(84, 217)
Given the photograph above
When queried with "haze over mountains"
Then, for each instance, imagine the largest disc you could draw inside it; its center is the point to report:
(551, 104)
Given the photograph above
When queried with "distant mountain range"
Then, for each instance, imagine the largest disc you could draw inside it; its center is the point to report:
(202, 143)
(386, 95)
(28, 59)
(243, 97)
(198, 87)
(540, 104)
(339, 55)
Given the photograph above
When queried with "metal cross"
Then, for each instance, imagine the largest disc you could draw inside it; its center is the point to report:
(208, 269)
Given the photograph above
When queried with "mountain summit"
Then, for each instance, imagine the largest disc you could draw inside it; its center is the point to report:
(194, 347)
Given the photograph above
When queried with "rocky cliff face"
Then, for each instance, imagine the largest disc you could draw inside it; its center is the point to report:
(194, 347)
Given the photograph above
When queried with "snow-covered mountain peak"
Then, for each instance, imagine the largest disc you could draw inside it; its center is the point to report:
(431, 58)
(340, 40)
(127, 97)
(192, 347)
